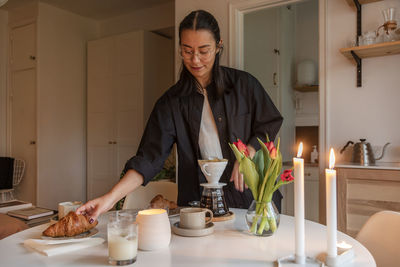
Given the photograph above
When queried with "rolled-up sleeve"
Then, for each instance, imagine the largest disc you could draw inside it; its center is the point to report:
(157, 141)
(266, 119)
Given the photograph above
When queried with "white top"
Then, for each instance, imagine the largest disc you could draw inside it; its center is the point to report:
(210, 148)
(229, 245)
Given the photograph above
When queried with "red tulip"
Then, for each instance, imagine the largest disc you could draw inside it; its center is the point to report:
(287, 176)
(272, 149)
(242, 147)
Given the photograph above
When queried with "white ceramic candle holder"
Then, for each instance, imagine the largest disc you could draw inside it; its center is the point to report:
(290, 261)
(345, 254)
(154, 229)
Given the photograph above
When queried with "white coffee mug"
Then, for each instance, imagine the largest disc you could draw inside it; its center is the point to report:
(65, 207)
(194, 218)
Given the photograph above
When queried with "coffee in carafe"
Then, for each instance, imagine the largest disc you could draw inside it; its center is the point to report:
(213, 199)
(213, 195)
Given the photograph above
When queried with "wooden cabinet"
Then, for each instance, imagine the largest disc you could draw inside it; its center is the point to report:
(363, 192)
(311, 195)
(126, 75)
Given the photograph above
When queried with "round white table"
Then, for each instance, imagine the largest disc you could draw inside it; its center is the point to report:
(229, 245)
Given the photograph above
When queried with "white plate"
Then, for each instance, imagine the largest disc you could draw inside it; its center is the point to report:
(87, 234)
(209, 229)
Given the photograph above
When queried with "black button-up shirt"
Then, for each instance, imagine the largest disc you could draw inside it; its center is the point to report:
(245, 111)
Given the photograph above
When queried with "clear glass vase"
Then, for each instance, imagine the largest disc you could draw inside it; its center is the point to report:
(262, 218)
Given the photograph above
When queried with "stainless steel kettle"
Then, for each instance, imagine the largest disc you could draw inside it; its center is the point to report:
(362, 152)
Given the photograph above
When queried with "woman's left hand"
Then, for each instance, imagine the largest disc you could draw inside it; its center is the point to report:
(237, 178)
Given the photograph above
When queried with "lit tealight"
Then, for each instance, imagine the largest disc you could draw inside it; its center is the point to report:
(152, 212)
(343, 246)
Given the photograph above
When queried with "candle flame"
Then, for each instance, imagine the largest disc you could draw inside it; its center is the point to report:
(300, 150)
(331, 159)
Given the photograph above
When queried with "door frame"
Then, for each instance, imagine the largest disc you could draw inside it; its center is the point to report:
(237, 10)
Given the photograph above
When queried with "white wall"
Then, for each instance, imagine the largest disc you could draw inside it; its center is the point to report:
(3, 80)
(61, 118)
(371, 111)
(148, 19)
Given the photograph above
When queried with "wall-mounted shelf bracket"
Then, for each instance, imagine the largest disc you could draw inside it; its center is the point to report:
(358, 6)
(358, 61)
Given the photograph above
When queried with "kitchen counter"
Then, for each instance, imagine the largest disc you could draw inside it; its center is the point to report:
(378, 165)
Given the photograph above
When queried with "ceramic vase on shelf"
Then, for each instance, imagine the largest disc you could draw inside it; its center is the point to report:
(262, 218)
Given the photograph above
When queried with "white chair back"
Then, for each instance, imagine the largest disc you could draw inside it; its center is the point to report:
(381, 236)
(141, 197)
(19, 169)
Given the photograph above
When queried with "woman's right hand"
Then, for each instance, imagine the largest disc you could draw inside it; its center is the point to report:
(95, 207)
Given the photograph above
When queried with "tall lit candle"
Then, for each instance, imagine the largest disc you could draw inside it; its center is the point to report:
(331, 222)
(298, 164)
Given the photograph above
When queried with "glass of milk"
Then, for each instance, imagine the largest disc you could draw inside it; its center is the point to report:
(122, 233)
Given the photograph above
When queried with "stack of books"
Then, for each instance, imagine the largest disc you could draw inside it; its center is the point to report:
(33, 216)
(13, 205)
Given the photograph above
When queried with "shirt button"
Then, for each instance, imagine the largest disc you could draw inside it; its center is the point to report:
(219, 119)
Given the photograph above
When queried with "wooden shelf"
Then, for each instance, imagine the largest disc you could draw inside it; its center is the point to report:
(374, 50)
(362, 2)
(306, 88)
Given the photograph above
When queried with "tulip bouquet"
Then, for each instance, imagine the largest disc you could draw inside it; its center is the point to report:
(260, 175)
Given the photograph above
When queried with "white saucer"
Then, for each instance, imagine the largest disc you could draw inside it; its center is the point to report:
(209, 229)
(213, 185)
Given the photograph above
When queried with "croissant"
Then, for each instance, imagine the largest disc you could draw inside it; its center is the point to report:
(159, 202)
(70, 225)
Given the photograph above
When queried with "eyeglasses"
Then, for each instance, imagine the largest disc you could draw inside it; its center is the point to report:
(203, 54)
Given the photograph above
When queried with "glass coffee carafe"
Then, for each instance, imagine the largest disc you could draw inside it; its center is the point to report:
(213, 195)
(389, 26)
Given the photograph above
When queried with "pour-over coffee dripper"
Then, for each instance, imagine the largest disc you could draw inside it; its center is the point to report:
(213, 195)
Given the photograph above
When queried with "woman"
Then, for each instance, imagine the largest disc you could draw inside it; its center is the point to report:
(206, 109)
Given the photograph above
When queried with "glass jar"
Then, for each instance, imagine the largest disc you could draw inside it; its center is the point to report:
(262, 218)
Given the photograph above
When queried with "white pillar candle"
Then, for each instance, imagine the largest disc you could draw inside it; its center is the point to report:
(298, 164)
(331, 221)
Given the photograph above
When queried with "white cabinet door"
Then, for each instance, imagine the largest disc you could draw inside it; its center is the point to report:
(23, 106)
(260, 29)
(311, 195)
(115, 108)
(23, 129)
(23, 47)
(100, 121)
(116, 101)
(129, 96)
